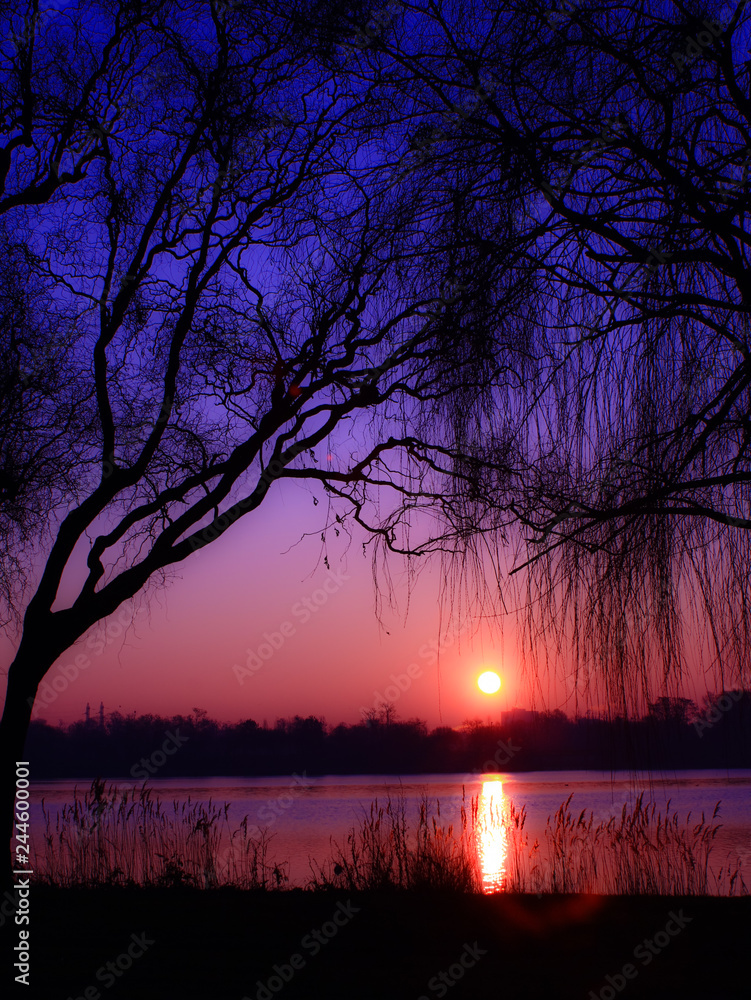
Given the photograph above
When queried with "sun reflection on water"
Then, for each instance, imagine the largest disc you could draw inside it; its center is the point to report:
(492, 836)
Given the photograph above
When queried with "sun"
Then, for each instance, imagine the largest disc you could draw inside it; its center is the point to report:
(489, 682)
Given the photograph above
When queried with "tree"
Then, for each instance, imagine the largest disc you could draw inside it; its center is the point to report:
(229, 281)
(620, 461)
(51, 139)
(56, 95)
(677, 712)
(36, 401)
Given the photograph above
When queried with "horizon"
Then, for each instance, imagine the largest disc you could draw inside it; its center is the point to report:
(516, 714)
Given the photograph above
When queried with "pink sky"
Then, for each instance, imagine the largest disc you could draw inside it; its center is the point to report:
(189, 644)
(334, 660)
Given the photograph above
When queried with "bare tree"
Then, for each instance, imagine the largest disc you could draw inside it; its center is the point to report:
(39, 422)
(56, 93)
(231, 282)
(622, 455)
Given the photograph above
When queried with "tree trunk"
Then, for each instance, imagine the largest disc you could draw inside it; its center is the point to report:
(29, 666)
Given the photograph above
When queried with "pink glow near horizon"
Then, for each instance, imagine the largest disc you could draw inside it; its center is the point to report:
(252, 628)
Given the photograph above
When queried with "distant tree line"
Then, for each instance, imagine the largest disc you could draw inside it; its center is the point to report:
(675, 733)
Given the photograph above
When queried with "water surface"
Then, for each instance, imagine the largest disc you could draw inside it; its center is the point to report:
(305, 813)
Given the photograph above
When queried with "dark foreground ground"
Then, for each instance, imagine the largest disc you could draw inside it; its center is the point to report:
(226, 944)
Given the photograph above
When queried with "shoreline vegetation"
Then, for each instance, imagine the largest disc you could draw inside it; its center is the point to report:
(110, 837)
(675, 733)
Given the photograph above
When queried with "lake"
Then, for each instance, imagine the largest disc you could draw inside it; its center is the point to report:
(304, 813)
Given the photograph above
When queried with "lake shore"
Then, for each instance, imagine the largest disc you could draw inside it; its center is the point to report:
(229, 945)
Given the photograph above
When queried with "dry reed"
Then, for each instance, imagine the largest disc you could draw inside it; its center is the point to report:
(384, 852)
(645, 852)
(111, 837)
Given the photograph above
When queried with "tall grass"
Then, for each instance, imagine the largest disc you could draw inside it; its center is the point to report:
(645, 852)
(385, 852)
(112, 837)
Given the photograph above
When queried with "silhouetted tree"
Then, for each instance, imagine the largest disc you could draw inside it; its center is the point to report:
(673, 711)
(622, 453)
(209, 209)
(668, 736)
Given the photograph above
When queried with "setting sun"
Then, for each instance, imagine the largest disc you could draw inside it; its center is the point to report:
(489, 682)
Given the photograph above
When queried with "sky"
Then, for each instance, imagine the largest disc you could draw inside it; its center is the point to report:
(255, 626)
